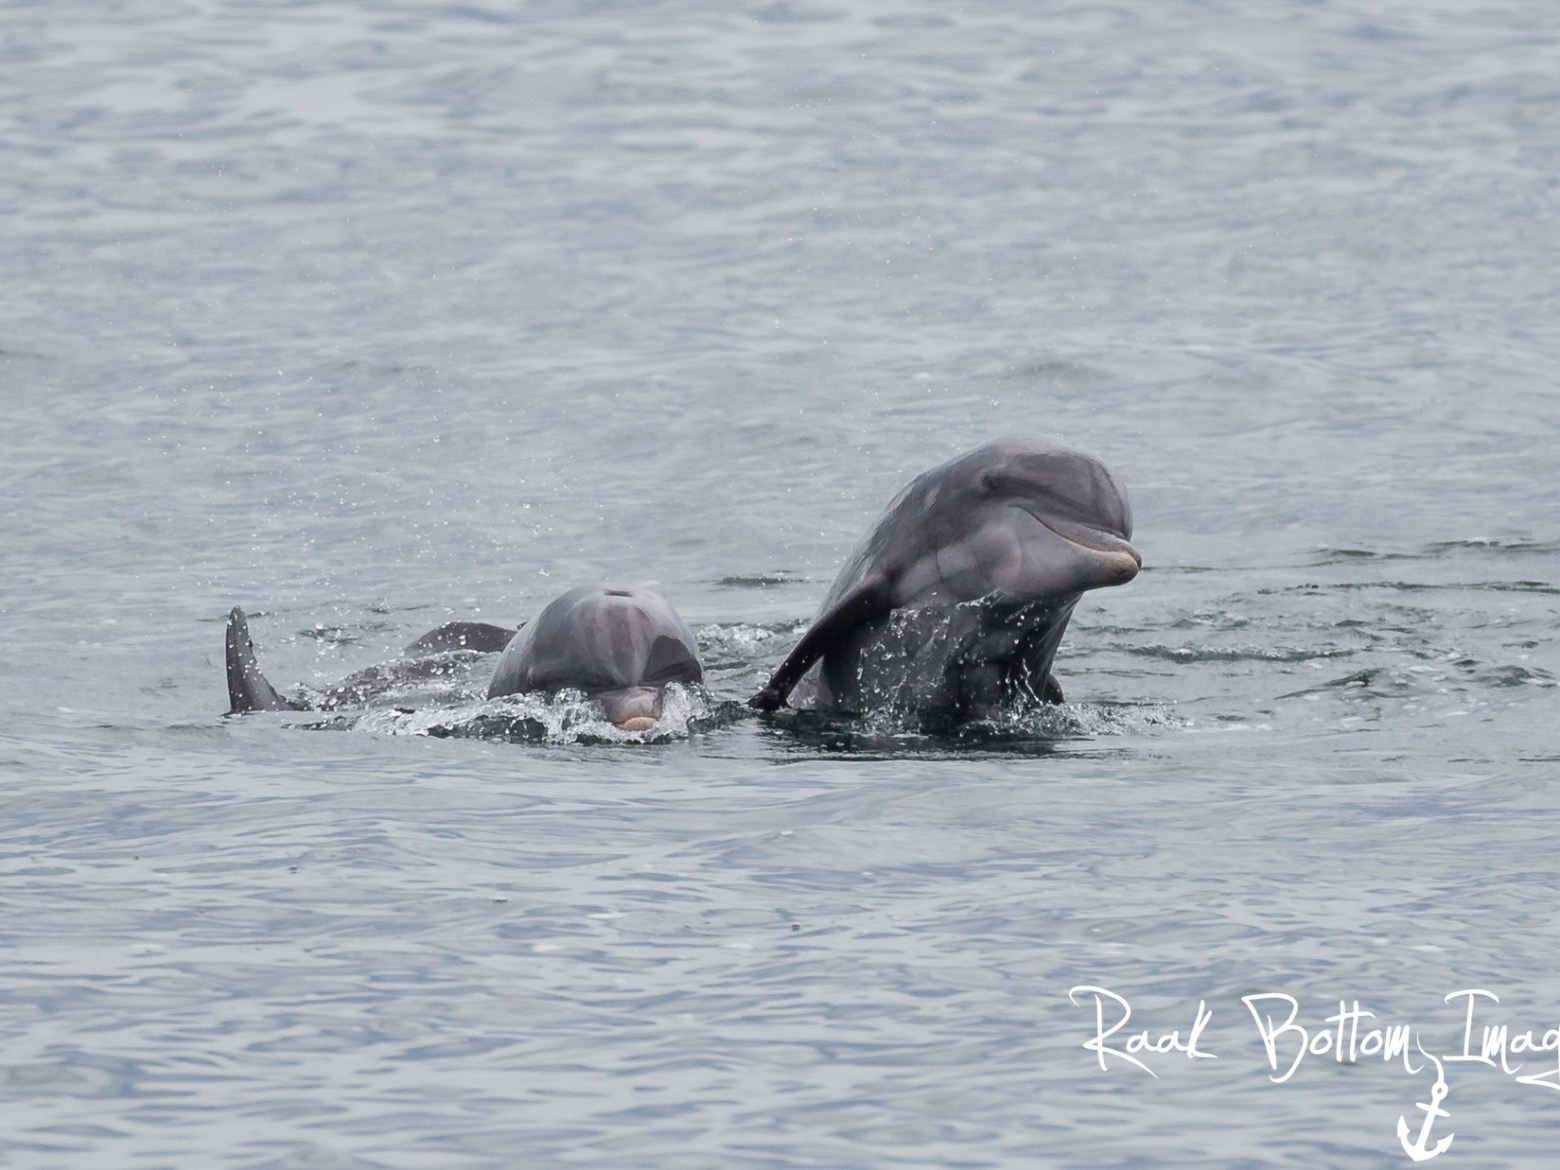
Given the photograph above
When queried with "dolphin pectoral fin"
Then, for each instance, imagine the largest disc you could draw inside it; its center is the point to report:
(768, 699)
(483, 637)
(861, 605)
(248, 689)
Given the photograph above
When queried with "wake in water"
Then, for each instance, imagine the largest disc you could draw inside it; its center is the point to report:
(1029, 728)
(567, 717)
(445, 697)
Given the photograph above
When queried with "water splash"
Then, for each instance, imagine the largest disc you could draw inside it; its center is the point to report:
(568, 717)
(1036, 728)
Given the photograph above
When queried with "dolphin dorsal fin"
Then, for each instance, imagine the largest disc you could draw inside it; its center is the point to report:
(248, 689)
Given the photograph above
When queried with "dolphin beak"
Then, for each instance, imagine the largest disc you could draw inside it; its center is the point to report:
(634, 708)
(1107, 559)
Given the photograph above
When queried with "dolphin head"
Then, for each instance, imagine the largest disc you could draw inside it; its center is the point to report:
(1083, 516)
(632, 708)
(618, 644)
(1016, 520)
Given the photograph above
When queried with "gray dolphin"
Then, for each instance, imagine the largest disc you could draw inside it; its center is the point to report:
(956, 599)
(620, 644)
(430, 655)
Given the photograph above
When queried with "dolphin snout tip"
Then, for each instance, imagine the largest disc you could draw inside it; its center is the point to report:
(1127, 561)
(633, 709)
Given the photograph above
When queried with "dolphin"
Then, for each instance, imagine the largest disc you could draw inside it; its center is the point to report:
(429, 655)
(620, 644)
(956, 599)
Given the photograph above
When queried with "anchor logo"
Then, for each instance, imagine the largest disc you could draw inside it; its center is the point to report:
(1422, 1150)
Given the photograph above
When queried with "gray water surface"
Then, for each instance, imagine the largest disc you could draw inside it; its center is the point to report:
(367, 317)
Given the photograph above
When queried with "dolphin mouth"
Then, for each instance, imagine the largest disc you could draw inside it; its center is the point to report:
(1113, 555)
(632, 708)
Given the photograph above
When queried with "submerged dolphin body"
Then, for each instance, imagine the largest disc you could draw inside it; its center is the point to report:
(429, 655)
(956, 599)
(620, 644)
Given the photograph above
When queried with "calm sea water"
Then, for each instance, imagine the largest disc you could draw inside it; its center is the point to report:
(370, 316)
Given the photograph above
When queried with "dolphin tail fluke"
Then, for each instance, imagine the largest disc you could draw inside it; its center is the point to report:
(248, 689)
